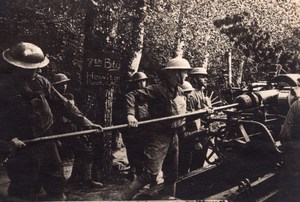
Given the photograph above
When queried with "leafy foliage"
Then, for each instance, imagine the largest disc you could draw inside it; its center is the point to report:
(269, 26)
(247, 26)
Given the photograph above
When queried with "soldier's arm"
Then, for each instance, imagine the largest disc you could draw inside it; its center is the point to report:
(139, 96)
(67, 108)
(12, 145)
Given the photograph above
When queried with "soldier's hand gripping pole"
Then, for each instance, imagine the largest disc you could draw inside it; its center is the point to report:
(109, 128)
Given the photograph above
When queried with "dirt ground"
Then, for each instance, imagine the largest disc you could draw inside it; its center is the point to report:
(113, 188)
(114, 185)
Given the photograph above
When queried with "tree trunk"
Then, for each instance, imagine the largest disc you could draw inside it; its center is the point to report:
(138, 36)
(102, 61)
(229, 66)
(239, 75)
(179, 49)
(179, 35)
(205, 63)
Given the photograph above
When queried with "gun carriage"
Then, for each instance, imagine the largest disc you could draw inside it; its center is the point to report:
(243, 153)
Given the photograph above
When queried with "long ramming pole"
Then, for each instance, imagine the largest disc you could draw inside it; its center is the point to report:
(85, 132)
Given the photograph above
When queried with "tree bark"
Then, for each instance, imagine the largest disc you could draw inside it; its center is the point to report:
(239, 75)
(138, 36)
(179, 35)
(99, 45)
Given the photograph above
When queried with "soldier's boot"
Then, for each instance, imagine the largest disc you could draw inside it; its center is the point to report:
(73, 179)
(87, 178)
(137, 185)
(153, 181)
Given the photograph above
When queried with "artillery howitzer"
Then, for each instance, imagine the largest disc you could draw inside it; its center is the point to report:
(243, 153)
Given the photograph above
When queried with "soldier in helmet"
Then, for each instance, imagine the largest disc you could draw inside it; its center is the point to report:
(26, 113)
(161, 151)
(60, 82)
(198, 79)
(134, 138)
(191, 153)
(198, 100)
(186, 143)
(79, 146)
(62, 124)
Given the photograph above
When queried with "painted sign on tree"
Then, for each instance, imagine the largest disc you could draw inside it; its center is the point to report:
(101, 68)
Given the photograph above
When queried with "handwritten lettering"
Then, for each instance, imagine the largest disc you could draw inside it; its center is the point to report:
(96, 80)
(106, 63)
(98, 67)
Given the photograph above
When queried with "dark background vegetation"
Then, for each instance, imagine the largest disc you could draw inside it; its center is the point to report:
(259, 33)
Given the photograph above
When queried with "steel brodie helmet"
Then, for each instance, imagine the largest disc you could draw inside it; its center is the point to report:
(178, 64)
(139, 76)
(59, 78)
(199, 71)
(187, 86)
(25, 55)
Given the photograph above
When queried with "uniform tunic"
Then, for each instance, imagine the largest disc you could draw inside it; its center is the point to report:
(161, 150)
(199, 100)
(290, 137)
(26, 114)
(189, 157)
(135, 139)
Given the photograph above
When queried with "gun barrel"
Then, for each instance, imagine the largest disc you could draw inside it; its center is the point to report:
(256, 99)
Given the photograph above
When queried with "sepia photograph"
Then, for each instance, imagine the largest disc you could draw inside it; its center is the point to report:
(150, 100)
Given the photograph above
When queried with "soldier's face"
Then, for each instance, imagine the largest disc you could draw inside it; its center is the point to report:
(201, 80)
(187, 93)
(141, 84)
(176, 77)
(182, 75)
(62, 87)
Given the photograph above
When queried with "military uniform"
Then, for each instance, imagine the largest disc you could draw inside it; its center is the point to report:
(199, 101)
(290, 137)
(79, 146)
(26, 114)
(135, 139)
(161, 150)
(186, 141)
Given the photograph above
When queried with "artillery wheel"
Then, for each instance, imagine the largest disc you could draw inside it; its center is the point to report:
(214, 150)
(215, 97)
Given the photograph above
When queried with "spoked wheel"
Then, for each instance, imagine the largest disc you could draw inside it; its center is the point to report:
(214, 150)
(215, 97)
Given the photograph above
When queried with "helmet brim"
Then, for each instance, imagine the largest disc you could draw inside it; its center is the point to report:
(7, 57)
(177, 68)
(188, 90)
(199, 74)
(60, 82)
(144, 79)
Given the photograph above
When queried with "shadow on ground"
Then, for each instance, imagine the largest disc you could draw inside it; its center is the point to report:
(114, 185)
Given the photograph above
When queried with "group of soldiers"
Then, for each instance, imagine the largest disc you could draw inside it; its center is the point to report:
(31, 107)
(165, 146)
